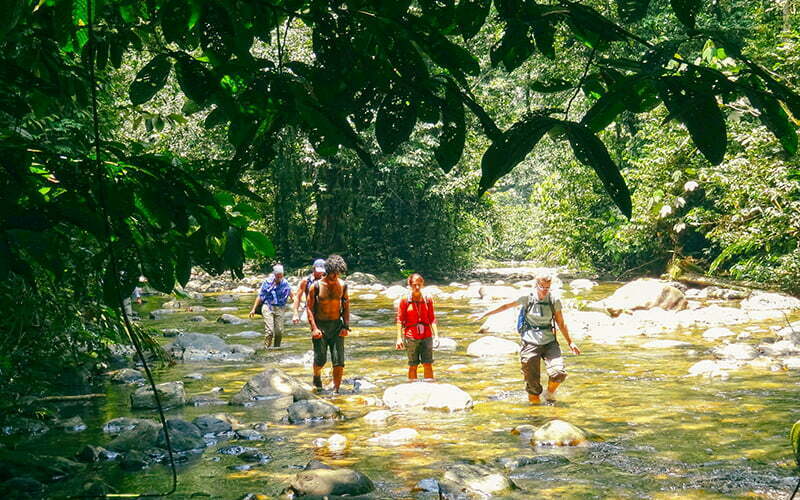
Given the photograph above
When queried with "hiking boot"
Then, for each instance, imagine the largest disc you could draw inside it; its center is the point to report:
(534, 399)
(318, 382)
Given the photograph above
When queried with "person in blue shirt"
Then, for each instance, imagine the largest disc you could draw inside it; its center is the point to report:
(272, 303)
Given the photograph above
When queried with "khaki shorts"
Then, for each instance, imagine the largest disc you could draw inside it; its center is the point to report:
(530, 358)
(419, 350)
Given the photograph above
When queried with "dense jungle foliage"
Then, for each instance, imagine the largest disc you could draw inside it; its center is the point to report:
(611, 136)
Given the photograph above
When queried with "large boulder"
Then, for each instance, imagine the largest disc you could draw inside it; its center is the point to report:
(14, 463)
(212, 424)
(558, 433)
(739, 352)
(581, 284)
(206, 347)
(270, 384)
(712, 368)
(505, 293)
(780, 348)
(358, 278)
(395, 291)
(718, 332)
(503, 322)
(492, 346)
(309, 410)
(127, 376)
(474, 481)
(328, 482)
(643, 294)
(157, 314)
(230, 319)
(427, 396)
(395, 438)
(171, 394)
(142, 436)
(764, 301)
(183, 436)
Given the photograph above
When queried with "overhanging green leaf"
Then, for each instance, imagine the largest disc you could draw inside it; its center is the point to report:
(194, 79)
(773, 116)
(512, 147)
(452, 136)
(632, 10)
(591, 151)
(471, 15)
(150, 79)
(794, 437)
(395, 121)
(686, 11)
(514, 48)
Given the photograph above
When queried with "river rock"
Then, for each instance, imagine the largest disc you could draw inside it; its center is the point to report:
(22, 488)
(71, 425)
(161, 313)
(197, 309)
(504, 293)
(378, 417)
(172, 394)
(502, 322)
(328, 482)
(446, 344)
(362, 385)
(211, 424)
(472, 479)
(174, 304)
(312, 409)
(359, 278)
(247, 334)
(206, 347)
(713, 368)
(780, 348)
(718, 333)
(367, 322)
(427, 396)
(558, 433)
(171, 332)
(143, 436)
(227, 298)
(249, 435)
(205, 400)
(368, 296)
(643, 293)
(90, 453)
(792, 363)
(270, 384)
(183, 436)
(134, 460)
(395, 291)
(230, 319)
(121, 424)
(740, 352)
(395, 438)
(127, 376)
(663, 344)
(790, 332)
(770, 301)
(198, 319)
(511, 463)
(489, 346)
(580, 285)
(306, 359)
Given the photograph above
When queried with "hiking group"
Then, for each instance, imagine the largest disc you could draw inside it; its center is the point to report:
(327, 308)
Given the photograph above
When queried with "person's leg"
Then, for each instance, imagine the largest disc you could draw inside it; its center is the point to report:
(320, 358)
(278, 314)
(413, 358)
(426, 355)
(529, 363)
(337, 359)
(556, 371)
(269, 325)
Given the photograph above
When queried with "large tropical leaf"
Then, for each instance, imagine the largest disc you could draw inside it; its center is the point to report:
(794, 436)
(194, 79)
(471, 15)
(217, 36)
(451, 138)
(512, 147)
(632, 10)
(150, 79)
(440, 14)
(696, 107)
(635, 94)
(773, 116)
(395, 121)
(591, 151)
(591, 27)
(514, 48)
(686, 11)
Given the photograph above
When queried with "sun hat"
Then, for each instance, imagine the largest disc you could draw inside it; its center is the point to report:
(277, 269)
(319, 265)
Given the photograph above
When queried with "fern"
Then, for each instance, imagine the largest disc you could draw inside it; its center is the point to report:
(740, 248)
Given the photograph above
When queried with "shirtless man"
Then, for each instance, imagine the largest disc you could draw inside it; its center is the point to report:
(328, 309)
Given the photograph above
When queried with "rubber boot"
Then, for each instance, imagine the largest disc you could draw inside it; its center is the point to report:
(412, 372)
(338, 372)
(317, 380)
(428, 369)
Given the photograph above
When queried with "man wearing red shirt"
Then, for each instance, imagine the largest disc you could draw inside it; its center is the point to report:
(416, 328)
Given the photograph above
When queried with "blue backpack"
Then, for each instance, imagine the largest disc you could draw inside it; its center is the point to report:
(522, 318)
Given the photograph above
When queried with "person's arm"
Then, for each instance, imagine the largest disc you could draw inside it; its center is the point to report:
(434, 328)
(562, 327)
(256, 306)
(300, 291)
(312, 300)
(498, 309)
(345, 312)
(400, 320)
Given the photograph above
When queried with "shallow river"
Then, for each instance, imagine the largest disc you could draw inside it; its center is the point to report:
(656, 433)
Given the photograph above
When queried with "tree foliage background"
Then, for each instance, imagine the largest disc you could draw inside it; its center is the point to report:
(612, 136)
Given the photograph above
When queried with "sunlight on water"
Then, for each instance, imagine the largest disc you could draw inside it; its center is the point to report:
(656, 432)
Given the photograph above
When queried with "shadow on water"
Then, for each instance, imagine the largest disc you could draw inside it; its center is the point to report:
(656, 433)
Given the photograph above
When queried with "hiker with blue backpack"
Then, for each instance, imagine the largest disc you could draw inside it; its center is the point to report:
(539, 314)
